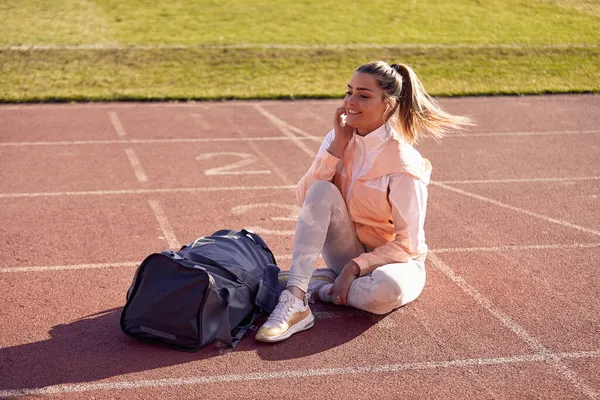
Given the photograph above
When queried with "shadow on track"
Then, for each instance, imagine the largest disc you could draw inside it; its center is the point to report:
(94, 348)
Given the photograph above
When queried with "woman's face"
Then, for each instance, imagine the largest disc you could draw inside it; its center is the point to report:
(365, 107)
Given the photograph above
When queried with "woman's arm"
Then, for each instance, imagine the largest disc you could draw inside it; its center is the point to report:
(322, 169)
(324, 166)
(408, 197)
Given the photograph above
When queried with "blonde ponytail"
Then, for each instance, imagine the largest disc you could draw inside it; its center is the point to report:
(414, 113)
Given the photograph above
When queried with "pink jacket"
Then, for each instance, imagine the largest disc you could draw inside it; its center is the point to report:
(384, 183)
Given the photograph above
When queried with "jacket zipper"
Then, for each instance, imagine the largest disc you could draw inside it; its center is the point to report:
(358, 170)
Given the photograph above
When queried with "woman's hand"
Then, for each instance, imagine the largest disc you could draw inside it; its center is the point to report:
(341, 286)
(343, 134)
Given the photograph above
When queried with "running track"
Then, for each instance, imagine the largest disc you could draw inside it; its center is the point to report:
(511, 308)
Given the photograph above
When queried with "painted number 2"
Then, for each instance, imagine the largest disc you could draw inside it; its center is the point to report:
(236, 168)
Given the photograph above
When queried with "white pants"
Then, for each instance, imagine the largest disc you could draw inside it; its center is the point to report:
(324, 227)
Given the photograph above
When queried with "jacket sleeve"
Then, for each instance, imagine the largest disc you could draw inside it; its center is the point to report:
(322, 169)
(408, 198)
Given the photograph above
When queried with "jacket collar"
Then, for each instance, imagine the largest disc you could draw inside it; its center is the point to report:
(397, 155)
(376, 138)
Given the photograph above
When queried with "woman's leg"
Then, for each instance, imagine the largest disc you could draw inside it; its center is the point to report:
(323, 227)
(388, 287)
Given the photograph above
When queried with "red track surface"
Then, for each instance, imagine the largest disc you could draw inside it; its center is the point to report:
(510, 309)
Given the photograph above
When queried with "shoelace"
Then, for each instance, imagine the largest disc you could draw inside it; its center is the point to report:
(282, 311)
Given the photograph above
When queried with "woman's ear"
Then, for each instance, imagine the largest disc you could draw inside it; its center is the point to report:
(388, 110)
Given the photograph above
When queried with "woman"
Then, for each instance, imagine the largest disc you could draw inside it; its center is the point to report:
(363, 202)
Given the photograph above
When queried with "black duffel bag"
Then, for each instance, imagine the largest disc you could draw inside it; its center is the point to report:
(211, 289)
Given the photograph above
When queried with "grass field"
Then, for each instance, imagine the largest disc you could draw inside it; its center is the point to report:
(184, 49)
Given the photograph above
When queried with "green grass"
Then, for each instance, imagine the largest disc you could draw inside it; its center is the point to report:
(133, 22)
(557, 47)
(244, 74)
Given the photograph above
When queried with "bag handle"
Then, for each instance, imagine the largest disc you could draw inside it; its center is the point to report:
(259, 241)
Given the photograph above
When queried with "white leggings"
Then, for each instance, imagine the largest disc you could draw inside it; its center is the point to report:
(324, 227)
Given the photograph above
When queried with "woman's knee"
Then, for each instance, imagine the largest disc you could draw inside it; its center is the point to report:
(322, 191)
(387, 293)
(389, 287)
(376, 294)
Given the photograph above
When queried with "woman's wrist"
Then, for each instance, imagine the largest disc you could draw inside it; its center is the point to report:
(352, 269)
(336, 148)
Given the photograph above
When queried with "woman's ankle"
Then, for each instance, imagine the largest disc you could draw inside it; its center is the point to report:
(297, 292)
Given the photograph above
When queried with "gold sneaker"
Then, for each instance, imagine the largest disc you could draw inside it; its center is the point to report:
(291, 315)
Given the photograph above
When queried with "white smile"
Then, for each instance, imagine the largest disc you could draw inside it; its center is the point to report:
(353, 112)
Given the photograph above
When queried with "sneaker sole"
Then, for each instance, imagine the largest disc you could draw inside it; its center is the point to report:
(303, 325)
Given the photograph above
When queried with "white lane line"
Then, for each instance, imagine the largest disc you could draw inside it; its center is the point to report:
(165, 225)
(517, 209)
(577, 355)
(284, 128)
(157, 141)
(294, 128)
(487, 304)
(523, 180)
(276, 232)
(515, 328)
(291, 374)
(200, 120)
(315, 116)
(278, 171)
(40, 268)
(146, 191)
(289, 128)
(288, 257)
(532, 133)
(68, 267)
(192, 104)
(515, 248)
(116, 122)
(338, 46)
(138, 170)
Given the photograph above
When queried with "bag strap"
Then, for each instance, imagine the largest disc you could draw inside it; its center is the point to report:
(241, 331)
(224, 332)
